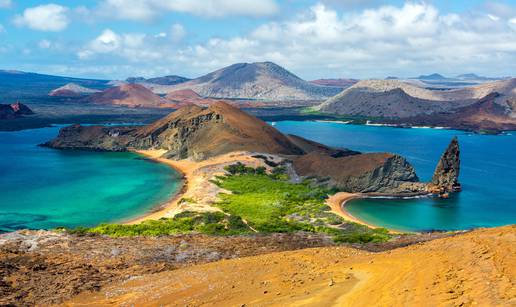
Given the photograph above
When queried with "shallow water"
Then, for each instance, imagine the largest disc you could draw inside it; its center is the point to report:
(488, 174)
(42, 188)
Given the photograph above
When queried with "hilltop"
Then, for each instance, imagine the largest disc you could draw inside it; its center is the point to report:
(264, 80)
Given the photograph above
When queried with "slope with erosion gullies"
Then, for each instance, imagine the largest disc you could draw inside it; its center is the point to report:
(266, 81)
(199, 133)
(396, 99)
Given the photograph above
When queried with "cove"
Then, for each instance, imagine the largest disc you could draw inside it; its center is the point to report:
(488, 174)
(42, 188)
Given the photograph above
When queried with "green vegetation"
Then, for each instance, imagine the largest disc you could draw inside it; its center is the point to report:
(213, 223)
(262, 202)
(355, 119)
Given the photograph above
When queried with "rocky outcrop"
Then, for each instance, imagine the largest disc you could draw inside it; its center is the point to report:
(14, 110)
(446, 175)
(372, 172)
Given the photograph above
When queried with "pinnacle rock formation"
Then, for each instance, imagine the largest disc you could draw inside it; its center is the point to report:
(446, 175)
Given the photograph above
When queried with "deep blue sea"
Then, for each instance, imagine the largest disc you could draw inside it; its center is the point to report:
(43, 188)
(488, 174)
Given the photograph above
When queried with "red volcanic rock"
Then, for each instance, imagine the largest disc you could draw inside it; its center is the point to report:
(131, 95)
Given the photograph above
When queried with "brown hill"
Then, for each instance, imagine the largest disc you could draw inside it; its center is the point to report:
(131, 95)
(200, 133)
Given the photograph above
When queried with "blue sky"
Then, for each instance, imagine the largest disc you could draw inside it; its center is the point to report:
(314, 39)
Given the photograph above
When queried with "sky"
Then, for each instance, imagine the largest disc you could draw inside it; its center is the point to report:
(115, 39)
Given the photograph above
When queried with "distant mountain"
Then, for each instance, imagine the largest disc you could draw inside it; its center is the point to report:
(433, 76)
(486, 114)
(265, 80)
(475, 77)
(342, 83)
(18, 84)
(131, 95)
(391, 78)
(395, 99)
(72, 90)
(14, 110)
(166, 80)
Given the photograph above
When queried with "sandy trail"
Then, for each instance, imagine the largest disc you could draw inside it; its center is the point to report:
(475, 268)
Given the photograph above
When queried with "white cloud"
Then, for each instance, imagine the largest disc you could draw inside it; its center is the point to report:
(177, 32)
(145, 10)
(405, 40)
(48, 17)
(132, 46)
(44, 44)
(5, 3)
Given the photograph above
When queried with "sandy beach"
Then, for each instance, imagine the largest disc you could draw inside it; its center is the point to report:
(197, 193)
(338, 201)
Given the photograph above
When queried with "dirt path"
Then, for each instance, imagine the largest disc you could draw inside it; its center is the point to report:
(475, 268)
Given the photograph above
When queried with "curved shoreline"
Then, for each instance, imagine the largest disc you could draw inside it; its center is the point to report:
(338, 201)
(163, 209)
(197, 190)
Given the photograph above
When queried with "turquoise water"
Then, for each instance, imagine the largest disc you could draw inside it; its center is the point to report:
(42, 188)
(488, 174)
